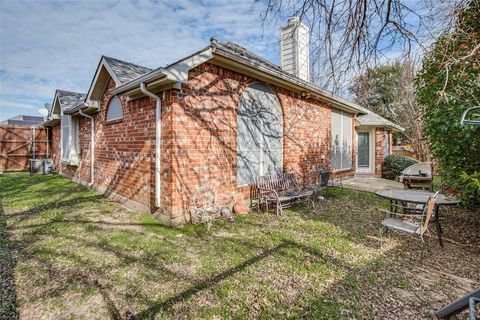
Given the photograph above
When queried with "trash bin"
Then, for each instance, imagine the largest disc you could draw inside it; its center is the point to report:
(47, 166)
(36, 166)
(324, 176)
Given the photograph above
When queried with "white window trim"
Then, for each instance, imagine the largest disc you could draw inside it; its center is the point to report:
(110, 105)
(73, 151)
(350, 167)
(371, 151)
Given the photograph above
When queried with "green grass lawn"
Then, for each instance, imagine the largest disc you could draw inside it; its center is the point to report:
(69, 253)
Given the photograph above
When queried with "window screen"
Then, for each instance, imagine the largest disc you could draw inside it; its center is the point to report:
(260, 131)
(341, 130)
(114, 109)
(66, 137)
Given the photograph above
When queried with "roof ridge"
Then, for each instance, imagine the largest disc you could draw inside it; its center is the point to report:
(125, 62)
(235, 46)
(125, 71)
(67, 91)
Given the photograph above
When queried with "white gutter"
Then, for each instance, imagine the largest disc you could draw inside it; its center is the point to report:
(34, 142)
(175, 72)
(158, 137)
(92, 147)
(48, 141)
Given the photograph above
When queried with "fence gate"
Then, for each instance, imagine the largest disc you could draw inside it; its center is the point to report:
(20, 143)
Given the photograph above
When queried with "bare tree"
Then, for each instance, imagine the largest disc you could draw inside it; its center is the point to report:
(351, 35)
(409, 112)
(389, 90)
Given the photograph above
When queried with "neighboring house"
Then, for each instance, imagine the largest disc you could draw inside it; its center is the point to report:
(23, 120)
(221, 116)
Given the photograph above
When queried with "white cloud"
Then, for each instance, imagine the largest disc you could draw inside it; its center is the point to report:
(49, 45)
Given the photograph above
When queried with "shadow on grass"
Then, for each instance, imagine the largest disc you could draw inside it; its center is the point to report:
(212, 281)
(88, 222)
(37, 210)
(321, 305)
(8, 294)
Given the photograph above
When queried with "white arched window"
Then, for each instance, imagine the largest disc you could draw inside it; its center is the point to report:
(114, 110)
(260, 132)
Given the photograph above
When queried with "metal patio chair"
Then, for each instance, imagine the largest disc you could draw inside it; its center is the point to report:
(283, 190)
(467, 301)
(410, 224)
(204, 207)
(320, 185)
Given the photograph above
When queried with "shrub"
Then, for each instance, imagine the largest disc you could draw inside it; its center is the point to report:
(470, 189)
(393, 165)
(447, 85)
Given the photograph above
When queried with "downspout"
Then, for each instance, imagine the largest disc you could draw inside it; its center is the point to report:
(158, 135)
(92, 147)
(48, 141)
(34, 142)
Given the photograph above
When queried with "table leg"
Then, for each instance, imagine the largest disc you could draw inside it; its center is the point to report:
(439, 228)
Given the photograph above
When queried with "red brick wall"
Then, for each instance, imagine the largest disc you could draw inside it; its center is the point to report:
(124, 150)
(204, 138)
(379, 141)
(55, 145)
(199, 142)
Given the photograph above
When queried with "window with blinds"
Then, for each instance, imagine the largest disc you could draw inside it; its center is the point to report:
(342, 131)
(260, 131)
(70, 140)
(66, 137)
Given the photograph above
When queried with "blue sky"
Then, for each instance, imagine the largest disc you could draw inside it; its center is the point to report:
(45, 45)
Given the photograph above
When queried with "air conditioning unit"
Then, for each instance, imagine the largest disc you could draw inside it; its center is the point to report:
(47, 166)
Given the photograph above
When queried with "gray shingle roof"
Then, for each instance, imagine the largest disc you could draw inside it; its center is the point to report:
(373, 119)
(247, 54)
(126, 71)
(370, 118)
(70, 99)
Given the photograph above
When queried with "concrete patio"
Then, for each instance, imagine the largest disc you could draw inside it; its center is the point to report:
(370, 183)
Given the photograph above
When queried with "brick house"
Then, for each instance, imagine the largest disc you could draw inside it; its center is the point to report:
(223, 116)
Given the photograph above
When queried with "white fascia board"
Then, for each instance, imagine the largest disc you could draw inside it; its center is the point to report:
(103, 63)
(179, 71)
(55, 97)
(134, 84)
(75, 109)
(176, 72)
(393, 126)
(110, 71)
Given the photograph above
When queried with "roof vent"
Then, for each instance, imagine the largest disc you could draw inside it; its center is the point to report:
(294, 48)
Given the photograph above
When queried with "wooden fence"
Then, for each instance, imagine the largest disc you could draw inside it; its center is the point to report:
(20, 143)
(405, 151)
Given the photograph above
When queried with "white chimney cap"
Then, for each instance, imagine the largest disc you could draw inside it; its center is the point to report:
(293, 20)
